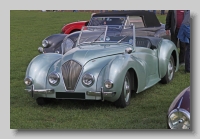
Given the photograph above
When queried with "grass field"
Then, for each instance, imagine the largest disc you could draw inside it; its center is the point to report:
(147, 109)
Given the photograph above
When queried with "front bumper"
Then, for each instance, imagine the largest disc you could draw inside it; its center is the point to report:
(39, 92)
(102, 94)
(69, 95)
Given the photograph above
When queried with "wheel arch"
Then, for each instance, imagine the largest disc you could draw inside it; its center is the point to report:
(134, 80)
(176, 59)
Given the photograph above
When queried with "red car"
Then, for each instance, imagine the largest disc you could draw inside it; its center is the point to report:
(73, 27)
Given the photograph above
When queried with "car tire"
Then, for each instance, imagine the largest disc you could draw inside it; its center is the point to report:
(42, 101)
(170, 72)
(124, 99)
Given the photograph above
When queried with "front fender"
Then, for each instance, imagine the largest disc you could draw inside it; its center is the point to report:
(116, 71)
(39, 67)
(55, 42)
(73, 26)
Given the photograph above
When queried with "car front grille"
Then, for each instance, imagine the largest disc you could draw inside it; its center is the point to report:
(71, 71)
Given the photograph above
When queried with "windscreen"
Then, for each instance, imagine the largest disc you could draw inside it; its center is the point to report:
(106, 34)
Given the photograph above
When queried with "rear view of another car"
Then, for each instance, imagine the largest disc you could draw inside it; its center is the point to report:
(178, 115)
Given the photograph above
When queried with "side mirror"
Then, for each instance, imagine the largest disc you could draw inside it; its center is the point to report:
(128, 50)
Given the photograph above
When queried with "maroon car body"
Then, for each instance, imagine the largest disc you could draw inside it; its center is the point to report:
(179, 111)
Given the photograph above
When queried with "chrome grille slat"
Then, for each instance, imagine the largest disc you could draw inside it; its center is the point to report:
(71, 71)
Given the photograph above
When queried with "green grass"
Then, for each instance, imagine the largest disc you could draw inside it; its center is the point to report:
(147, 109)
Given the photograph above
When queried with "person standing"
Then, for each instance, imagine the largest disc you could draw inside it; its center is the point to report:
(174, 19)
(184, 36)
(162, 12)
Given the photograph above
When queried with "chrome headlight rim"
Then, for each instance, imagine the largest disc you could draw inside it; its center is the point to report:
(180, 110)
(45, 43)
(28, 81)
(92, 79)
(54, 78)
(108, 84)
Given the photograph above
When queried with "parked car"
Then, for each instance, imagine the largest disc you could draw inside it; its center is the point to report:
(102, 64)
(179, 111)
(146, 24)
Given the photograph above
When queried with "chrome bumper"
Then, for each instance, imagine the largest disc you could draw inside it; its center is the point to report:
(101, 93)
(33, 91)
(40, 91)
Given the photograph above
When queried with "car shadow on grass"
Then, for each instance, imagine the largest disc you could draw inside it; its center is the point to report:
(79, 104)
(82, 104)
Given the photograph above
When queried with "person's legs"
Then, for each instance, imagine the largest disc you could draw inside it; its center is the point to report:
(187, 57)
(182, 53)
(182, 48)
(174, 39)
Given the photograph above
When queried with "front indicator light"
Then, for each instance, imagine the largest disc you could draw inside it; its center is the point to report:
(28, 81)
(108, 84)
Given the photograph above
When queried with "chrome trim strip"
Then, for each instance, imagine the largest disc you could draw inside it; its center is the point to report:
(180, 102)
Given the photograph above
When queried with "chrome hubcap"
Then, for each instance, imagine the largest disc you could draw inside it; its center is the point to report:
(126, 89)
(170, 70)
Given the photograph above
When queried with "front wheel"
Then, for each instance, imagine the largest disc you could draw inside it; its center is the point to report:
(170, 71)
(124, 99)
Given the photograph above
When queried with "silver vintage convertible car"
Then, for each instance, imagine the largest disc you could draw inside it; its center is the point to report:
(102, 64)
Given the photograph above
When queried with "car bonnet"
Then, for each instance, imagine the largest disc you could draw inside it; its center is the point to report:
(82, 56)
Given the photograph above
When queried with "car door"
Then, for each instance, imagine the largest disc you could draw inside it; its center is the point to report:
(148, 58)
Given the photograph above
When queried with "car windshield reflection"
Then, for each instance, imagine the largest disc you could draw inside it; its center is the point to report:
(106, 34)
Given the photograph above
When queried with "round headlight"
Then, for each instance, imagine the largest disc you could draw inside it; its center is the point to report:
(108, 84)
(28, 81)
(179, 119)
(45, 43)
(88, 80)
(54, 78)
